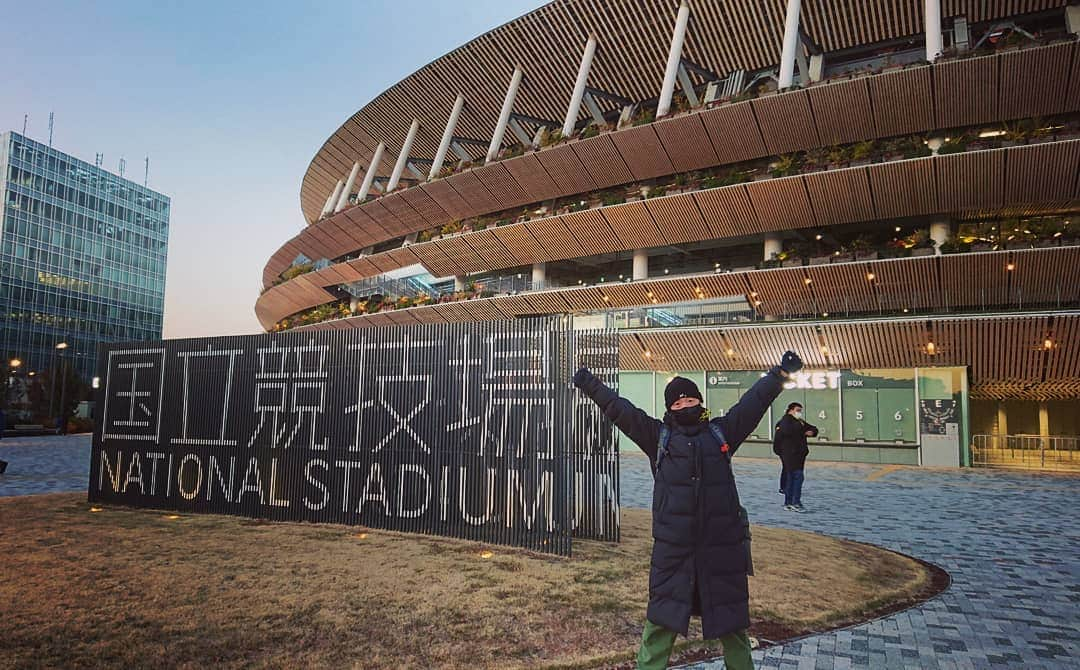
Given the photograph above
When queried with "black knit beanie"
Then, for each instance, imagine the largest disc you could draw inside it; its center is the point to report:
(680, 387)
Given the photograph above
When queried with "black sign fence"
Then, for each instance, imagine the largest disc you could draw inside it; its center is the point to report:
(464, 430)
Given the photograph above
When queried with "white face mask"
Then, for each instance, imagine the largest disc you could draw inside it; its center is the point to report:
(797, 415)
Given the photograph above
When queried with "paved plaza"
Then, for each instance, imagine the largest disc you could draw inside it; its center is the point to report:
(1011, 542)
(48, 464)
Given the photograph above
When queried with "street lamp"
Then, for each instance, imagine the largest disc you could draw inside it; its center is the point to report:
(61, 424)
(14, 363)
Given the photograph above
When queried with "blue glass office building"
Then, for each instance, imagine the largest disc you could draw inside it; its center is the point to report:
(82, 257)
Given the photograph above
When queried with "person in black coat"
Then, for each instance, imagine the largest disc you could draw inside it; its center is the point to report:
(700, 556)
(789, 442)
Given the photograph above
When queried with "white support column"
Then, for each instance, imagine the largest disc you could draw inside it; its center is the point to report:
(933, 29)
(504, 115)
(539, 276)
(817, 67)
(641, 265)
(791, 43)
(803, 68)
(1002, 420)
(773, 245)
(329, 205)
(333, 198)
(940, 232)
(1044, 424)
(343, 198)
(403, 157)
(594, 111)
(369, 177)
(448, 134)
(459, 282)
(1072, 19)
(687, 86)
(519, 132)
(663, 105)
(579, 86)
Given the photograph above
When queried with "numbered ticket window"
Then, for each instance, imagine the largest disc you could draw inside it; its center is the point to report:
(896, 415)
(879, 405)
(724, 388)
(860, 419)
(821, 408)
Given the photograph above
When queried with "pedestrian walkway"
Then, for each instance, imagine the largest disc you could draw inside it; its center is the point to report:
(48, 464)
(1010, 540)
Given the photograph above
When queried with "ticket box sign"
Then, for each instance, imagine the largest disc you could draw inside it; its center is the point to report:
(847, 406)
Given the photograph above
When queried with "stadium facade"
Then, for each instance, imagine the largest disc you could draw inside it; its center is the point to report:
(82, 258)
(889, 188)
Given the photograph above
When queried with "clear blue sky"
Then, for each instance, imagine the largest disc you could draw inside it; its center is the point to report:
(229, 99)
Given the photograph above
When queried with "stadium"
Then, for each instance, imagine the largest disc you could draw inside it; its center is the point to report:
(890, 188)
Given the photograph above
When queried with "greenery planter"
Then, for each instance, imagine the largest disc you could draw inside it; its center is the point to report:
(820, 260)
(866, 256)
(922, 251)
(843, 258)
(792, 263)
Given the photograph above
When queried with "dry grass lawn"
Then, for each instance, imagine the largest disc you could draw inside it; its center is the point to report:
(135, 588)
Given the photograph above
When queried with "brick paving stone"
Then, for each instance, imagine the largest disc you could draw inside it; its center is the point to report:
(1008, 539)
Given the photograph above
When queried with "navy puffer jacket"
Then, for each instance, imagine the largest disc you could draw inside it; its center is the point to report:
(699, 560)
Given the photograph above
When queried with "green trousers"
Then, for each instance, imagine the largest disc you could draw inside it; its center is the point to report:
(657, 643)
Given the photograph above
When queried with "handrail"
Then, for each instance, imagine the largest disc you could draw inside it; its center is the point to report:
(1044, 452)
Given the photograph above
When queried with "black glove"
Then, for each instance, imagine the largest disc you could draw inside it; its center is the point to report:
(791, 362)
(582, 377)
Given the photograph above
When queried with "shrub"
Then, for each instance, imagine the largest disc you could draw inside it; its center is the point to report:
(645, 115)
(862, 150)
(785, 165)
(551, 138)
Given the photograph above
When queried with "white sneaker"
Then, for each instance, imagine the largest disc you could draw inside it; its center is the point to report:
(798, 508)
(790, 508)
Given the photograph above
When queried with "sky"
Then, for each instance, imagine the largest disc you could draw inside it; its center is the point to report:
(230, 100)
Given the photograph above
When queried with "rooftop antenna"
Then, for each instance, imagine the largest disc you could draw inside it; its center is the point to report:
(123, 166)
(50, 128)
(99, 159)
(25, 118)
(146, 177)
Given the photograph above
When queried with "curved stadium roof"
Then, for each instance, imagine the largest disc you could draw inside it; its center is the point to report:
(634, 35)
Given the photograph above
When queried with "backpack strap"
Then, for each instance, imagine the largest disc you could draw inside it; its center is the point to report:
(662, 446)
(718, 433)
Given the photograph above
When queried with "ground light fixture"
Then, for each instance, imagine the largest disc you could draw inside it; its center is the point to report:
(62, 345)
(931, 348)
(1010, 267)
(1048, 344)
(486, 554)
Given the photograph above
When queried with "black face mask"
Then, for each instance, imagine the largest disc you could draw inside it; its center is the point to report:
(688, 416)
